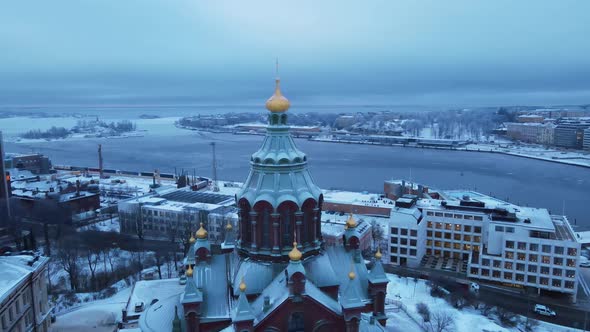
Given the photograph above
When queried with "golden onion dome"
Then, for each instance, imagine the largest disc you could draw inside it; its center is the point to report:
(378, 253)
(229, 227)
(351, 275)
(189, 271)
(192, 239)
(242, 285)
(295, 254)
(277, 103)
(351, 223)
(201, 233)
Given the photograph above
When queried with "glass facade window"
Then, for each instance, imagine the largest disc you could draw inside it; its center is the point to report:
(413, 233)
(393, 250)
(448, 215)
(458, 216)
(521, 245)
(477, 229)
(546, 248)
(508, 265)
(545, 259)
(533, 247)
(478, 218)
(413, 242)
(533, 268)
(467, 228)
(531, 279)
(438, 214)
(474, 270)
(394, 230)
(569, 284)
(457, 237)
(533, 258)
(510, 244)
(394, 240)
(509, 255)
(520, 277)
(438, 235)
(447, 236)
(438, 225)
(448, 226)
(403, 251)
(557, 272)
(404, 241)
(485, 262)
(556, 282)
(572, 251)
(519, 266)
(571, 262)
(521, 256)
(558, 250)
(496, 274)
(468, 217)
(467, 238)
(508, 275)
(544, 270)
(457, 227)
(404, 231)
(429, 233)
(557, 261)
(544, 281)
(570, 273)
(413, 252)
(485, 272)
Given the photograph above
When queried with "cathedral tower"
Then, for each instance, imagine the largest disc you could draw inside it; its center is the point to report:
(279, 203)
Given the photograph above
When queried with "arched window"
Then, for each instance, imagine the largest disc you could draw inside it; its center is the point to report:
(296, 322)
(265, 218)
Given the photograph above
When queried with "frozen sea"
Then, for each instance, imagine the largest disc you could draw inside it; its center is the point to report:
(557, 187)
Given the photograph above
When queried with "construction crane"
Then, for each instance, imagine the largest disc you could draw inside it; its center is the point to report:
(214, 164)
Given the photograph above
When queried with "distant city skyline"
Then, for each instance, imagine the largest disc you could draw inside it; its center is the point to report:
(452, 53)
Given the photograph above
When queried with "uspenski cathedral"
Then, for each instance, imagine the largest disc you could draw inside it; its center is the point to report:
(273, 272)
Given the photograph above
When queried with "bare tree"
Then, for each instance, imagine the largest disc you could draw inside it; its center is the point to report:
(507, 318)
(423, 311)
(441, 321)
(67, 255)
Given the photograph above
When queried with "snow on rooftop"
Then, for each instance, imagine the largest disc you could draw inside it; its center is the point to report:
(14, 270)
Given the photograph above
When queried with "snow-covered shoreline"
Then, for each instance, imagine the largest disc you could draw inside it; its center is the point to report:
(537, 154)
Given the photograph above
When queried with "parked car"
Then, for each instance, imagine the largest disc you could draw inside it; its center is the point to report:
(544, 310)
(584, 262)
(139, 306)
(182, 280)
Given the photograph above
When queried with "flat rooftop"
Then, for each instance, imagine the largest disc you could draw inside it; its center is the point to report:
(192, 197)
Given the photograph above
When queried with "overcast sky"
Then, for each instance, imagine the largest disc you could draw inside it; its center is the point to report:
(450, 52)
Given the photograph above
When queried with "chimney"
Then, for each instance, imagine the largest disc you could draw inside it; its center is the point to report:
(77, 187)
(266, 305)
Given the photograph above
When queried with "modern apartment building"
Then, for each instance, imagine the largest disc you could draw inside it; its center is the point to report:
(23, 294)
(570, 133)
(494, 240)
(586, 143)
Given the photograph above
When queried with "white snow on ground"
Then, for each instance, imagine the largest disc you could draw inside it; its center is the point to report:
(100, 316)
(466, 320)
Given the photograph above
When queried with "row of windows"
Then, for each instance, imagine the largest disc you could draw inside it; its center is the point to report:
(546, 248)
(455, 236)
(15, 309)
(534, 258)
(451, 245)
(531, 268)
(404, 231)
(456, 227)
(403, 241)
(403, 251)
(507, 229)
(518, 277)
(454, 215)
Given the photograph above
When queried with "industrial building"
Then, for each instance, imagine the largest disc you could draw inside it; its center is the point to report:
(170, 213)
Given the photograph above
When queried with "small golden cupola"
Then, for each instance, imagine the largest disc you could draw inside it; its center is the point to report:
(378, 254)
(229, 226)
(242, 285)
(201, 233)
(295, 254)
(192, 239)
(189, 271)
(277, 103)
(350, 223)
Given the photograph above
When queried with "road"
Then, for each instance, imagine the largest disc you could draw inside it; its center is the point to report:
(572, 315)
